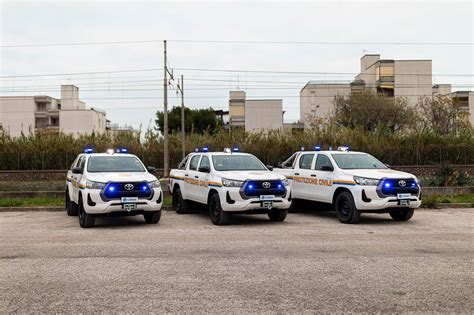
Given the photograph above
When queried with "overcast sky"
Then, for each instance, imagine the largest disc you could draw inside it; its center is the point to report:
(104, 21)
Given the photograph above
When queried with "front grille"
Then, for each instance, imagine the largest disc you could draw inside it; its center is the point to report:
(264, 187)
(392, 187)
(122, 189)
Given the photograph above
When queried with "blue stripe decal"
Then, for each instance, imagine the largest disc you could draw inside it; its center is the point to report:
(211, 185)
(339, 183)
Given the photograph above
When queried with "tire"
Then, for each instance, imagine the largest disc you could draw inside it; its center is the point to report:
(152, 217)
(277, 215)
(71, 207)
(85, 220)
(403, 214)
(294, 206)
(179, 203)
(345, 208)
(217, 215)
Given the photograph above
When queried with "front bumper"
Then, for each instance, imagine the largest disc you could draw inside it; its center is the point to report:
(232, 201)
(94, 204)
(366, 198)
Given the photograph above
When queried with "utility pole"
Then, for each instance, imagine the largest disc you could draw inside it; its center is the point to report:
(183, 132)
(166, 155)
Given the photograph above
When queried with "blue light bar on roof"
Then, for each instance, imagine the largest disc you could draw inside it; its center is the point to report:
(205, 149)
(317, 148)
(235, 149)
(196, 149)
(302, 149)
(88, 150)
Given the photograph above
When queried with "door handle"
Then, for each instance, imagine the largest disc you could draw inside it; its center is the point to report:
(196, 176)
(186, 175)
(297, 173)
(313, 175)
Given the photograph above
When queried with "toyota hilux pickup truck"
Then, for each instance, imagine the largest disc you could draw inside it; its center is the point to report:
(352, 182)
(106, 184)
(229, 182)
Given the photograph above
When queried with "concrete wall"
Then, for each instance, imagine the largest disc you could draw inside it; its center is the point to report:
(413, 79)
(78, 122)
(17, 114)
(70, 98)
(261, 115)
(316, 100)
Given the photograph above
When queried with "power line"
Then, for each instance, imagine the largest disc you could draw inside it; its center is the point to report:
(78, 73)
(246, 42)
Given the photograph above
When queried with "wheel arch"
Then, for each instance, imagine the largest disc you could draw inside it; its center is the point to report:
(338, 191)
(175, 186)
(212, 191)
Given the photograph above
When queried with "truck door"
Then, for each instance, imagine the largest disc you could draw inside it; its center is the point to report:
(190, 179)
(303, 176)
(202, 175)
(324, 171)
(76, 179)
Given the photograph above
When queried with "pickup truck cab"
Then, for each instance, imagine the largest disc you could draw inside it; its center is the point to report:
(229, 182)
(352, 182)
(100, 184)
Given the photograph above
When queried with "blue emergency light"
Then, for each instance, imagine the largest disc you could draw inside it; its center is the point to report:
(205, 149)
(317, 148)
(235, 149)
(88, 150)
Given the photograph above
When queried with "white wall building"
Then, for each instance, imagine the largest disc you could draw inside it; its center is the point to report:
(33, 114)
(411, 79)
(255, 115)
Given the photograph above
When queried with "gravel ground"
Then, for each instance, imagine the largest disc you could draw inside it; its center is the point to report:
(309, 263)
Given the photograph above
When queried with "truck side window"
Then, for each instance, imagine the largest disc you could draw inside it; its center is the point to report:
(194, 162)
(205, 162)
(182, 164)
(306, 160)
(321, 161)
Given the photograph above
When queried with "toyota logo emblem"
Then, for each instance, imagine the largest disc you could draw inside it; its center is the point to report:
(266, 185)
(402, 183)
(128, 186)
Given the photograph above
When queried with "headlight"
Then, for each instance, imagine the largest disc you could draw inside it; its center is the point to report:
(155, 184)
(364, 181)
(232, 183)
(94, 185)
(286, 182)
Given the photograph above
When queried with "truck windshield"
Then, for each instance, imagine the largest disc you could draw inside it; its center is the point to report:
(114, 163)
(237, 163)
(349, 161)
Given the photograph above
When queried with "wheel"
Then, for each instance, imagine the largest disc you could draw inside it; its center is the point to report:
(180, 204)
(277, 215)
(85, 220)
(403, 214)
(217, 215)
(345, 208)
(294, 205)
(71, 207)
(152, 217)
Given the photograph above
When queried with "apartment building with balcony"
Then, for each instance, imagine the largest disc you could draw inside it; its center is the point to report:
(254, 115)
(411, 79)
(36, 114)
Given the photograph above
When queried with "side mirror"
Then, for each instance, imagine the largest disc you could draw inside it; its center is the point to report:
(327, 168)
(204, 169)
(270, 168)
(77, 170)
(151, 169)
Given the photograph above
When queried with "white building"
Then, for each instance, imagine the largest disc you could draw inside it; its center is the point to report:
(411, 79)
(33, 114)
(255, 115)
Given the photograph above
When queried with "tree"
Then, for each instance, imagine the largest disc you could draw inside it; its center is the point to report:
(196, 120)
(442, 115)
(370, 111)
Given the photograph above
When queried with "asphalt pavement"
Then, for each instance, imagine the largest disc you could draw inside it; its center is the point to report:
(309, 263)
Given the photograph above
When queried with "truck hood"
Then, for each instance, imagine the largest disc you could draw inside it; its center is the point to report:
(120, 177)
(251, 175)
(379, 174)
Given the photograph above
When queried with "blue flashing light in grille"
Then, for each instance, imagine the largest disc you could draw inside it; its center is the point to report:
(279, 186)
(250, 187)
(111, 188)
(387, 185)
(144, 188)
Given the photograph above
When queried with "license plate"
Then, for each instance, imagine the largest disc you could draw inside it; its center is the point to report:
(129, 206)
(267, 204)
(129, 199)
(266, 197)
(403, 196)
(404, 202)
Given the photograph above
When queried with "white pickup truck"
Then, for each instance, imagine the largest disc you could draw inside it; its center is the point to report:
(229, 182)
(353, 182)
